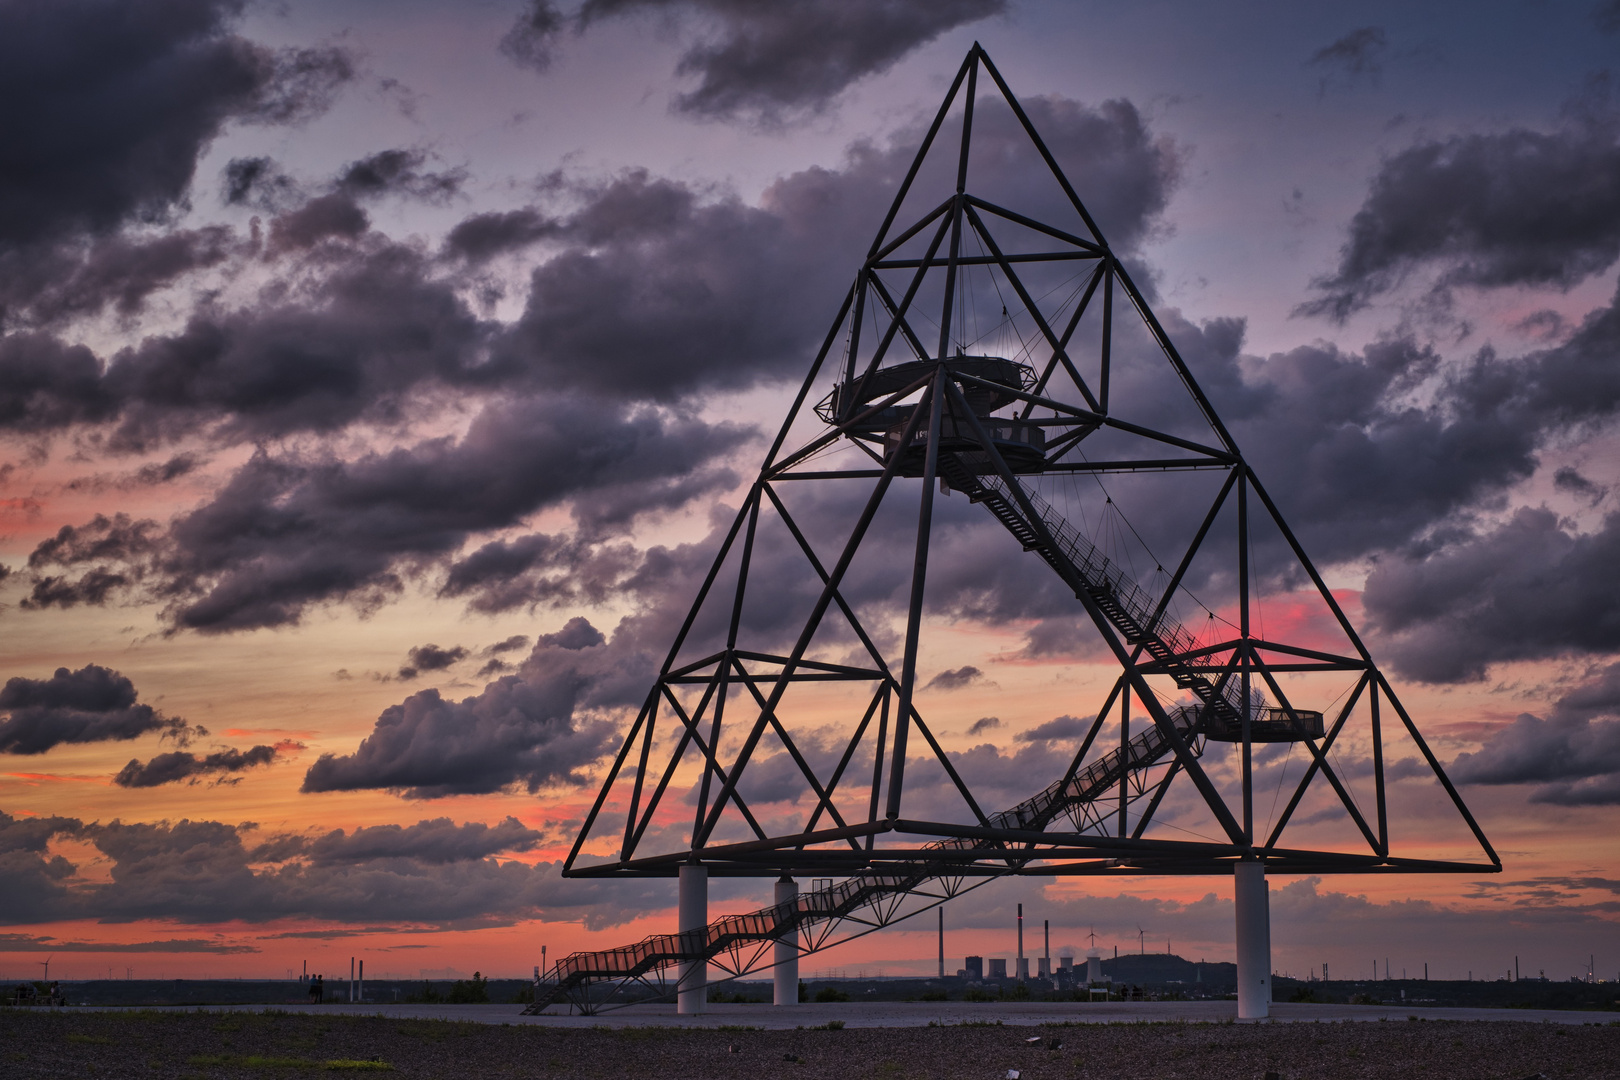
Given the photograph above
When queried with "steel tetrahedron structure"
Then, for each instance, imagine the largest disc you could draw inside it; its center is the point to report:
(997, 358)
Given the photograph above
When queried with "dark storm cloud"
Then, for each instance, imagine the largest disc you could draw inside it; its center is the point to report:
(659, 291)
(302, 85)
(171, 768)
(1597, 696)
(119, 545)
(119, 538)
(765, 63)
(107, 106)
(34, 881)
(40, 287)
(577, 633)
(955, 678)
(776, 62)
(1570, 480)
(372, 328)
(1525, 590)
(540, 569)
(663, 294)
(94, 588)
(430, 658)
(376, 328)
(46, 384)
(284, 534)
(427, 874)
(93, 704)
(483, 236)
(1576, 761)
(33, 834)
(329, 217)
(528, 730)
(1056, 729)
(532, 40)
(399, 172)
(651, 289)
(161, 472)
(260, 183)
(1353, 463)
(438, 841)
(152, 474)
(1516, 207)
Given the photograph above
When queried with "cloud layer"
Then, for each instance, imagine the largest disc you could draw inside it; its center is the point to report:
(434, 873)
(762, 63)
(93, 704)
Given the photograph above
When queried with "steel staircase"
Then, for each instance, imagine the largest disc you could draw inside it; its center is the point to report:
(845, 897)
(1085, 569)
(1080, 564)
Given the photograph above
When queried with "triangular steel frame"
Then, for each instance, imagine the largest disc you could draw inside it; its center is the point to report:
(915, 420)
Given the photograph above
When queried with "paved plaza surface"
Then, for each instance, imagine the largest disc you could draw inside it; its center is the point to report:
(921, 1014)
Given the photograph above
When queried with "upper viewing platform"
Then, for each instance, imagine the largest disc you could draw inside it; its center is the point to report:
(868, 405)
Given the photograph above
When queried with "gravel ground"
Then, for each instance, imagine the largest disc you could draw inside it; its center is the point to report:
(38, 1043)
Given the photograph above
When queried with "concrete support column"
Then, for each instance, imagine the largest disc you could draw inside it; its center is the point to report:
(1252, 900)
(694, 915)
(787, 951)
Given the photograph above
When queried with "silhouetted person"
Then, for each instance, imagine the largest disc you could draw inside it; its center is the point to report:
(320, 989)
(314, 989)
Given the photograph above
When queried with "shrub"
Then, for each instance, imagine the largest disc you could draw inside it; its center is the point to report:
(828, 994)
(474, 992)
(426, 996)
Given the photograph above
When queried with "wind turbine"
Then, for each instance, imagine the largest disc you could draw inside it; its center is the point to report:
(47, 963)
(1141, 939)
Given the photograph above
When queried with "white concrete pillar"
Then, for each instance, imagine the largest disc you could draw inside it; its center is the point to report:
(1251, 896)
(693, 991)
(787, 952)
